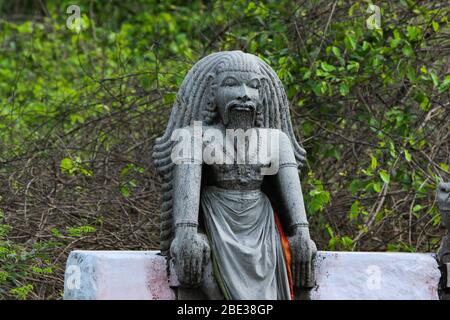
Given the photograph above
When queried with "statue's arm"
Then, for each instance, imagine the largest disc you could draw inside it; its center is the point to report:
(186, 193)
(289, 188)
(187, 175)
(292, 212)
(189, 250)
(443, 201)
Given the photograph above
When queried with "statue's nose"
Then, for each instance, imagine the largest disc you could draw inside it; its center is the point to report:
(243, 94)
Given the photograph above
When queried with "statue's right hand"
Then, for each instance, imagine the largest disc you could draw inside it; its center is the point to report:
(191, 253)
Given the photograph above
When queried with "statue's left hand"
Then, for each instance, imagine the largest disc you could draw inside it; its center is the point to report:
(303, 252)
(191, 253)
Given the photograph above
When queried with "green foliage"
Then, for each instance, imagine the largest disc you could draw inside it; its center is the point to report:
(128, 182)
(22, 292)
(317, 198)
(72, 167)
(80, 231)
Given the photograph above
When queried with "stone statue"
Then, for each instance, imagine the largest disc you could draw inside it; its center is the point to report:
(234, 227)
(443, 199)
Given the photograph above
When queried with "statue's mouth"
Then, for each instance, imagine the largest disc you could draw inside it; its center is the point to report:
(240, 114)
(246, 106)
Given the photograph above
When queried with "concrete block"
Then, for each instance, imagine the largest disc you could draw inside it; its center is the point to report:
(376, 276)
(116, 275)
(141, 275)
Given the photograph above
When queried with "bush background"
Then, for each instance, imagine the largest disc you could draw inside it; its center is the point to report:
(80, 109)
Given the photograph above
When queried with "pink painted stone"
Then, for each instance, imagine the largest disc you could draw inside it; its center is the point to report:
(116, 275)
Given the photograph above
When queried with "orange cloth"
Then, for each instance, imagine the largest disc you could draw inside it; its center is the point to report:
(286, 251)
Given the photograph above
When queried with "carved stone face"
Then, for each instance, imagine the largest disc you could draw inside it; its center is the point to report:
(237, 98)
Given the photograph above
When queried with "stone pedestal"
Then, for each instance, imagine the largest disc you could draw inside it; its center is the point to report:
(116, 275)
(100, 275)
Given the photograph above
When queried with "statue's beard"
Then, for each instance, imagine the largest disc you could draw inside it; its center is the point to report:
(241, 119)
(241, 115)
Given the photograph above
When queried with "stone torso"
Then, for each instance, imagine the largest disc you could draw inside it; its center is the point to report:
(234, 174)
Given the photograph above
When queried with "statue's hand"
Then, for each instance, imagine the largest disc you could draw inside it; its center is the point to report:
(303, 251)
(191, 252)
(443, 200)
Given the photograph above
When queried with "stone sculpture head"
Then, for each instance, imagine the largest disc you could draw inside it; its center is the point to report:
(235, 90)
(229, 88)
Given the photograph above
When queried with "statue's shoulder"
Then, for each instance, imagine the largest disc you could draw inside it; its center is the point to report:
(284, 149)
(278, 134)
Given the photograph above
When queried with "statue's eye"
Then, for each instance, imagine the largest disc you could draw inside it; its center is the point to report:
(255, 84)
(230, 82)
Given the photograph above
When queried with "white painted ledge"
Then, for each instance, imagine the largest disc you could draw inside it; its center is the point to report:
(141, 275)
(376, 275)
(116, 275)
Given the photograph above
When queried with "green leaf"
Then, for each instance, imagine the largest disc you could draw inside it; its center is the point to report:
(350, 41)
(124, 190)
(376, 187)
(423, 69)
(251, 6)
(336, 51)
(424, 101)
(319, 88)
(408, 51)
(3, 276)
(435, 79)
(354, 210)
(329, 230)
(352, 9)
(353, 66)
(366, 45)
(355, 186)
(78, 232)
(407, 155)
(67, 165)
(55, 232)
(343, 89)
(307, 75)
(347, 242)
(21, 293)
(373, 162)
(327, 67)
(411, 74)
(413, 32)
(435, 26)
(385, 176)
(322, 73)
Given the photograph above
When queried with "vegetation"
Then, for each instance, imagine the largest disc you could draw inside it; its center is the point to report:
(80, 108)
